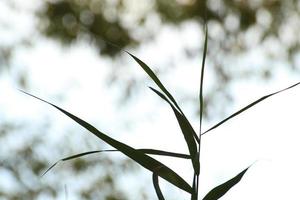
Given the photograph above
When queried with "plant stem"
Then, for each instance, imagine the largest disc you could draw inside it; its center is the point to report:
(201, 107)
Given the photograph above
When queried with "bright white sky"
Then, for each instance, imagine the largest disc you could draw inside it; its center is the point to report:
(266, 136)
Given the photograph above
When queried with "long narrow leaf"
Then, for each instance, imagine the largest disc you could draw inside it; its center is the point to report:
(141, 158)
(152, 75)
(73, 157)
(164, 153)
(201, 80)
(146, 151)
(187, 130)
(249, 106)
(201, 107)
(156, 187)
(220, 190)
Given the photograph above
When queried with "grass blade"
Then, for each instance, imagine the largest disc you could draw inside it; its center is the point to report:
(49, 168)
(141, 158)
(201, 80)
(249, 106)
(187, 130)
(73, 157)
(190, 128)
(146, 151)
(220, 190)
(165, 153)
(196, 176)
(156, 187)
(152, 75)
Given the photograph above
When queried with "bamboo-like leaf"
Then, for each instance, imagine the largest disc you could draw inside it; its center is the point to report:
(164, 153)
(201, 107)
(156, 187)
(146, 151)
(220, 190)
(152, 75)
(73, 157)
(187, 130)
(139, 157)
(249, 106)
(201, 80)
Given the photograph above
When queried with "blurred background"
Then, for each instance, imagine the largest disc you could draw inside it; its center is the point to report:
(60, 50)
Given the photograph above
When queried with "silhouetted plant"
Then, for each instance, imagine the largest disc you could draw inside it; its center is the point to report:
(192, 139)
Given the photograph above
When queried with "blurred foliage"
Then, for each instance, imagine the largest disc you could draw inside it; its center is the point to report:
(23, 160)
(69, 20)
(236, 27)
(106, 20)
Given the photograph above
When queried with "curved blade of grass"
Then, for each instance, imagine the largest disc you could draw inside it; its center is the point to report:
(249, 106)
(187, 130)
(146, 151)
(196, 178)
(201, 80)
(73, 157)
(220, 190)
(139, 157)
(152, 75)
(156, 187)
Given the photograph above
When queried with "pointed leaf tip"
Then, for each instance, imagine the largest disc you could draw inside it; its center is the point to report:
(202, 80)
(249, 106)
(156, 80)
(220, 190)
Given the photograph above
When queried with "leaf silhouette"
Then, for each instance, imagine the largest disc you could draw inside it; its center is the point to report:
(220, 190)
(249, 106)
(144, 160)
(146, 151)
(187, 130)
(202, 79)
(152, 75)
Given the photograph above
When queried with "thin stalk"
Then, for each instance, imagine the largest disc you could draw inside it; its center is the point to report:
(201, 107)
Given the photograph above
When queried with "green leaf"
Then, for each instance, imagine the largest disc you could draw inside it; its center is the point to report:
(165, 153)
(220, 190)
(187, 130)
(152, 75)
(146, 151)
(249, 106)
(141, 158)
(196, 176)
(201, 80)
(156, 187)
(73, 157)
